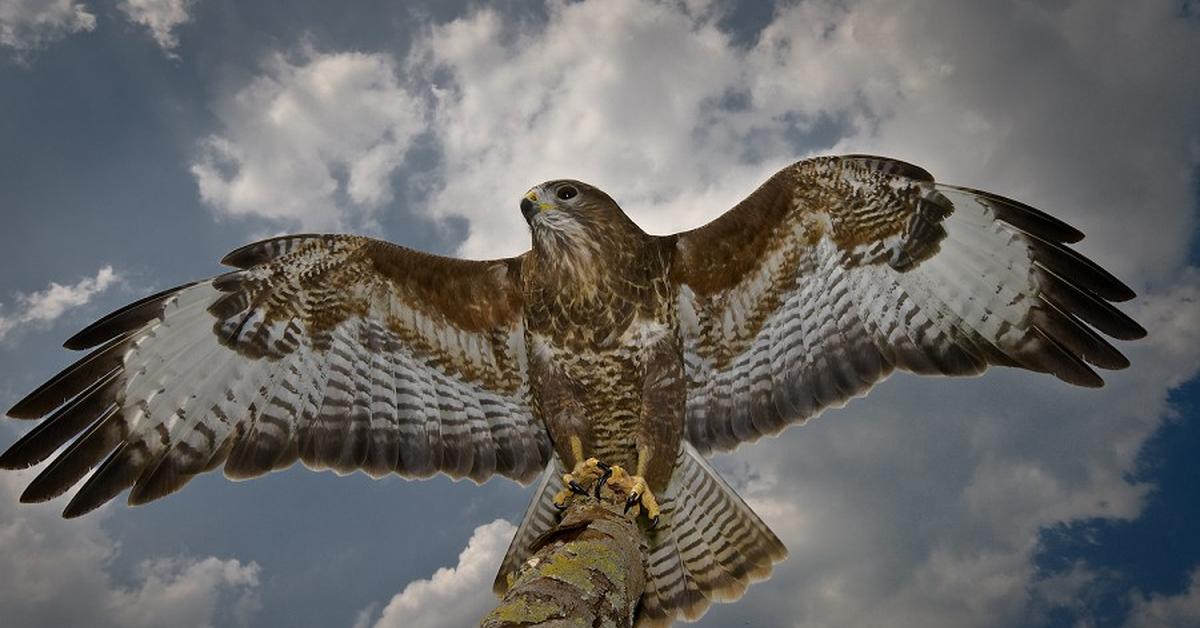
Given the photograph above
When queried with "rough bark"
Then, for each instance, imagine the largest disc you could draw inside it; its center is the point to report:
(587, 571)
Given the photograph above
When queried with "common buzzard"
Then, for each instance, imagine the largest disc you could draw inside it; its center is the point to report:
(601, 346)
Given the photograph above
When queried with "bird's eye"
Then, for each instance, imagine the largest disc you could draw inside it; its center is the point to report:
(566, 192)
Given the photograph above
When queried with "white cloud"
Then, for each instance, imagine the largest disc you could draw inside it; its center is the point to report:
(312, 143)
(29, 24)
(1167, 611)
(160, 17)
(1072, 590)
(453, 596)
(56, 574)
(184, 592)
(527, 105)
(44, 307)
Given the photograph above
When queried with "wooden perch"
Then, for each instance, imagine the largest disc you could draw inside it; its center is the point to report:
(589, 570)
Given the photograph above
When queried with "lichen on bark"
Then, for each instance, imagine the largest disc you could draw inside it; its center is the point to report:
(589, 570)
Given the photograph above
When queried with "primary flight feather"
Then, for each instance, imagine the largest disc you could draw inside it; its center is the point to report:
(601, 345)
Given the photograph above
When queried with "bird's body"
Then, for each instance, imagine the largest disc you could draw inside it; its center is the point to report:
(601, 345)
(602, 336)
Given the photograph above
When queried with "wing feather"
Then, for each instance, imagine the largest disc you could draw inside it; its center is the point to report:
(839, 270)
(342, 352)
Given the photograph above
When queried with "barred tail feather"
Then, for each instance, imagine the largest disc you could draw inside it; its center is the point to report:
(539, 518)
(708, 547)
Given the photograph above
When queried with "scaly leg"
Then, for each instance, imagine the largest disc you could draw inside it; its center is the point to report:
(635, 487)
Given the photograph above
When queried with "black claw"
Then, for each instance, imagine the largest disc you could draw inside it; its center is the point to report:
(577, 488)
(560, 508)
(603, 478)
(633, 498)
(654, 523)
(605, 467)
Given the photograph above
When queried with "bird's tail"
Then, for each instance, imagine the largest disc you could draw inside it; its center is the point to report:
(539, 518)
(708, 545)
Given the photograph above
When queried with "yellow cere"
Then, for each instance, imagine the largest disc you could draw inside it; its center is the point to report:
(541, 207)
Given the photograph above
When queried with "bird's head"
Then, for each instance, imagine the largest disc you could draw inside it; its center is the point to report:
(568, 213)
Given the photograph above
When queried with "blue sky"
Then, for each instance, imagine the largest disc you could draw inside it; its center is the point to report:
(141, 140)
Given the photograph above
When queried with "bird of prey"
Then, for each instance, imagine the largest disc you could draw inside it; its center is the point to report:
(601, 345)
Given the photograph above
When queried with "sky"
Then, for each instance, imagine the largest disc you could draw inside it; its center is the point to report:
(140, 140)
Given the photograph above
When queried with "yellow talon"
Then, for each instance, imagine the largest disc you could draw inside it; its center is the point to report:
(593, 473)
(635, 491)
(583, 475)
(639, 493)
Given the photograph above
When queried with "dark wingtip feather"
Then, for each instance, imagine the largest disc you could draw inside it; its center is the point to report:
(1073, 370)
(123, 320)
(1092, 381)
(163, 481)
(60, 427)
(74, 510)
(69, 382)
(1077, 337)
(77, 460)
(174, 469)
(1135, 332)
(1024, 217)
(1050, 356)
(1079, 270)
(44, 488)
(12, 461)
(20, 410)
(117, 473)
(1088, 307)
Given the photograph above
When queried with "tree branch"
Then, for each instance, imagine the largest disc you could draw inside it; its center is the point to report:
(589, 570)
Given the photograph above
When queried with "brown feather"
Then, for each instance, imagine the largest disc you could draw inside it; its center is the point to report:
(775, 268)
(448, 323)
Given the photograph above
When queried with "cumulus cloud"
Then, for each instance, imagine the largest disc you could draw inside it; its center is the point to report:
(29, 24)
(453, 596)
(160, 17)
(528, 104)
(45, 306)
(312, 143)
(1167, 611)
(56, 575)
(185, 592)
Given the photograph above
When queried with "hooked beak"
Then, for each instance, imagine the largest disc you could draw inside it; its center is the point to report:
(527, 210)
(530, 206)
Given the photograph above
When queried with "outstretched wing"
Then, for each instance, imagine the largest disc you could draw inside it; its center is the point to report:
(341, 351)
(839, 269)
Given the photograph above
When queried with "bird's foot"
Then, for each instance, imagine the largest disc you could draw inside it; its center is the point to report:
(588, 472)
(591, 476)
(636, 492)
